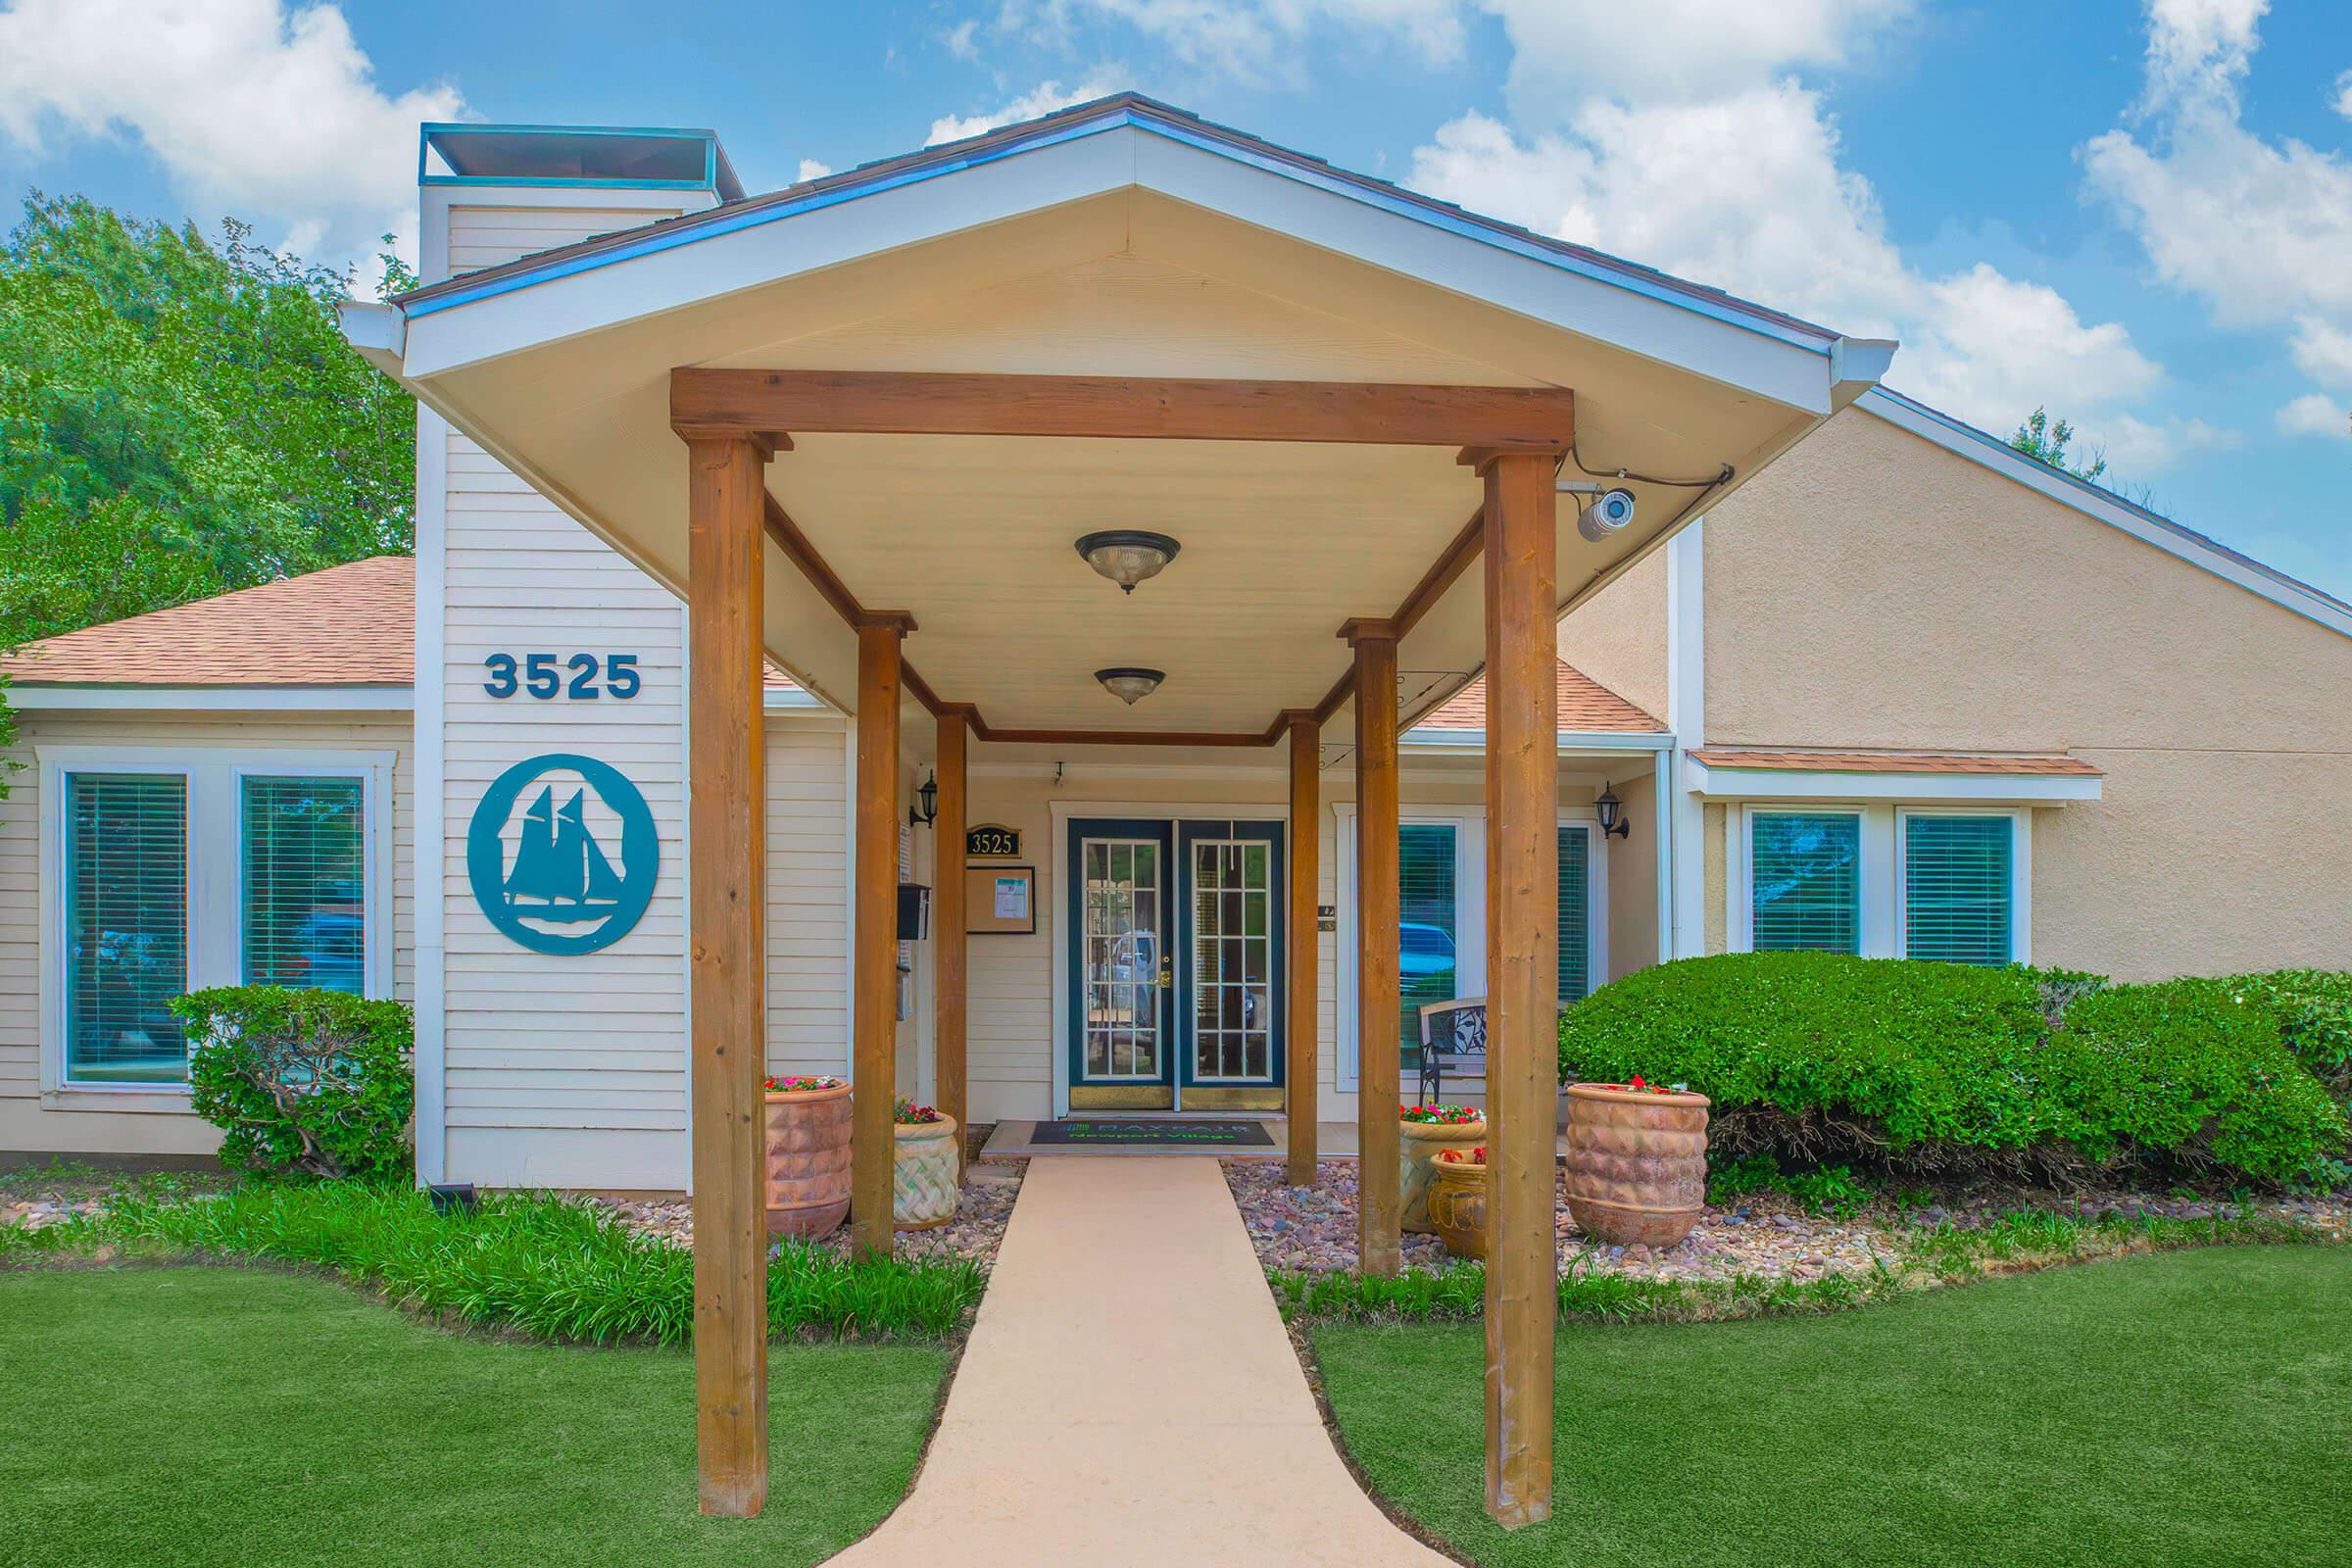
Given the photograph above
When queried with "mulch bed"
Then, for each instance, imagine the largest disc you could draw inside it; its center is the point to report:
(990, 1187)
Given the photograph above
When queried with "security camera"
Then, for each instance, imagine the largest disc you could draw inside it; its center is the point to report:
(1607, 513)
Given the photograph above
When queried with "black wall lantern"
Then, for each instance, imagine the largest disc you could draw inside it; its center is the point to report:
(925, 810)
(1608, 808)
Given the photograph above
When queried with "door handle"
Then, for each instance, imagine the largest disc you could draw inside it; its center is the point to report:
(1163, 982)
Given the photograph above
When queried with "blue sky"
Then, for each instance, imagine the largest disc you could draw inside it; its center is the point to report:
(2137, 215)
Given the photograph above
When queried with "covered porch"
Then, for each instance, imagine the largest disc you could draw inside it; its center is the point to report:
(860, 426)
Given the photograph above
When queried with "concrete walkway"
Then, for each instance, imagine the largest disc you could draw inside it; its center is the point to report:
(1129, 1397)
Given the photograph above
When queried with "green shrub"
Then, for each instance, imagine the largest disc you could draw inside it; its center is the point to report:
(316, 1081)
(1932, 1067)
(2314, 1010)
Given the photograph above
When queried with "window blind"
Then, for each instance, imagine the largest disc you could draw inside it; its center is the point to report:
(1429, 926)
(1576, 914)
(1956, 888)
(305, 883)
(127, 926)
(1804, 882)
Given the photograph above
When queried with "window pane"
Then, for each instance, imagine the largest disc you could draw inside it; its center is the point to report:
(1428, 926)
(1804, 882)
(127, 926)
(1956, 888)
(1576, 914)
(306, 891)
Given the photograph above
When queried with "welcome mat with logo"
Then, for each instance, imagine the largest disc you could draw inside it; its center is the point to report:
(1176, 1133)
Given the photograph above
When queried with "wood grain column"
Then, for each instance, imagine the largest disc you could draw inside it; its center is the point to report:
(1522, 981)
(1380, 1198)
(1306, 985)
(726, 852)
(948, 970)
(874, 962)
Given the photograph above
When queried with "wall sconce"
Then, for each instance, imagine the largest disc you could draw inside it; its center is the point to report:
(1608, 808)
(925, 810)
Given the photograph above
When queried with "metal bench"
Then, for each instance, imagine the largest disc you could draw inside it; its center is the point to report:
(1453, 1039)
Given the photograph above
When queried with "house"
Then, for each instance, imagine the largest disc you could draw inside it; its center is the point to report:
(1183, 516)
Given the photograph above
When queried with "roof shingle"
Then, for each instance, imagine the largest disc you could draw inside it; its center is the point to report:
(1586, 705)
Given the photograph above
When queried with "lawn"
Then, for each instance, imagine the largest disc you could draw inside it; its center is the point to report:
(190, 1416)
(2190, 1408)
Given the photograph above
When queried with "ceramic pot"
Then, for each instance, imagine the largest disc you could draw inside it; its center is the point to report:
(922, 1174)
(1417, 1148)
(808, 1161)
(1637, 1163)
(1457, 1206)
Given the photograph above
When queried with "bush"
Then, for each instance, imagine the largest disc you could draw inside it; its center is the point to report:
(316, 1081)
(2314, 1010)
(1932, 1067)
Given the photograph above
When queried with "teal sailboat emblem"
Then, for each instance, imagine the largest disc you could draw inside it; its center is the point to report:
(559, 873)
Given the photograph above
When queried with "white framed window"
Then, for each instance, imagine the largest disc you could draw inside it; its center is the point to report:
(1945, 882)
(164, 870)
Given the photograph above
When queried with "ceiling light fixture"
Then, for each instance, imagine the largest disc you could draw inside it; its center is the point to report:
(1127, 555)
(1129, 683)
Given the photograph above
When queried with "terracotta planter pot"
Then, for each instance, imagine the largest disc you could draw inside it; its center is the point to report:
(1457, 1206)
(808, 1161)
(1637, 1163)
(922, 1174)
(1417, 1148)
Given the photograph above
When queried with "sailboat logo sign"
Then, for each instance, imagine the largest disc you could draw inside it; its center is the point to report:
(563, 853)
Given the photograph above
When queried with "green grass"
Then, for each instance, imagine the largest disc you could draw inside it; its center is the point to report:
(2188, 1408)
(191, 1416)
(526, 1262)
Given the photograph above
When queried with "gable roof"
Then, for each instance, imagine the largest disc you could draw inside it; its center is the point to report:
(1585, 707)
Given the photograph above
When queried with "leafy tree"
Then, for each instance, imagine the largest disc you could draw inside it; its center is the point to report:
(178, 419)
(2044, 440)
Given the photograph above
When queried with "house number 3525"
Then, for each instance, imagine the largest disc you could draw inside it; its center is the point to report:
(549, 675)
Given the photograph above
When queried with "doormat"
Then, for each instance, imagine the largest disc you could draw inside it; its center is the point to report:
(1178, 1134)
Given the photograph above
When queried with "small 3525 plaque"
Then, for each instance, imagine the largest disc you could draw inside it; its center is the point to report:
(991, 840)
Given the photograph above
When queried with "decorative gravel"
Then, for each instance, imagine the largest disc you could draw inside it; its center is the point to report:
(975, 1233)
(39, 1213)
(1313, 1230)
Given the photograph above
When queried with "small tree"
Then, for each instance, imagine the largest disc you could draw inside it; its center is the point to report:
(2044, 440)
(316, 1082)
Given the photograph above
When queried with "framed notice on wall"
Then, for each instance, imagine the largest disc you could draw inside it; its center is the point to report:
(1000, 900)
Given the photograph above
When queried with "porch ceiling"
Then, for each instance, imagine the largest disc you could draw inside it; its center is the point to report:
(973, 534)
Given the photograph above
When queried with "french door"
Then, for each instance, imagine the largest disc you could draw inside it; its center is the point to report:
(1177, 991)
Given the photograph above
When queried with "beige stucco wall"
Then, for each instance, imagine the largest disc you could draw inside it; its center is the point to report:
(1633, 878)
(1618, 636)
(1872, 590)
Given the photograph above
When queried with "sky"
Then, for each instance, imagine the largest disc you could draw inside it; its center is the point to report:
(2136, 214)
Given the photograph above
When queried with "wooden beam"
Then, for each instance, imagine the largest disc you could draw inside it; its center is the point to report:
(948, 972)
(1379, 1189)
(875, 962)
(1306, 989)
(1522, 983)
(1119, 737)
(922, 402)
(726, 838)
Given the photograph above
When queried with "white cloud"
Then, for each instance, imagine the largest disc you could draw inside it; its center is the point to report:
(1565, 51)
(2315, 413)
(2322, 351)
(2133, 447)
(959, 40)
(1247, 41)
(811, 169)
(2344, 95)
(1042, 99)
(252, 108)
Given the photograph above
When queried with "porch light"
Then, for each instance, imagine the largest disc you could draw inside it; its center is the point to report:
(1129, 684)
(1127, 555)
(1605, 806)
(925, 810)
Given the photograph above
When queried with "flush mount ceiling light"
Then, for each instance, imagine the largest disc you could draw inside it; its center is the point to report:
(1130, 684)
(1127, 555)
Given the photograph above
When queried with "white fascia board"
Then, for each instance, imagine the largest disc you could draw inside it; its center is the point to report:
(216, 699)
(1984, 789)
(793, 700)
(1981, 447)
(1456, 741)
(377, 332)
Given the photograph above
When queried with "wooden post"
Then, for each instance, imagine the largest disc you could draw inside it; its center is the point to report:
(1306, 989)
(875, 961)
(1380, 1196)
(1522, 983)
(726, 834)
(948, 921)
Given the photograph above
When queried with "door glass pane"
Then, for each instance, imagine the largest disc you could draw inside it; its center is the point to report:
(1956, 888)
(1233, 960)
(305, 883)
(127, 926)
(1121, 943)
(1576, 914)
(1804, 881)
(1429, 921)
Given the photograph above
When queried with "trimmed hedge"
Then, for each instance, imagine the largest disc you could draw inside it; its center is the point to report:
(1935, 1067)
(315, 1082)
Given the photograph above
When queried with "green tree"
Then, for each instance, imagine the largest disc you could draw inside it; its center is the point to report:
(2046, 439)
(179, 418)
